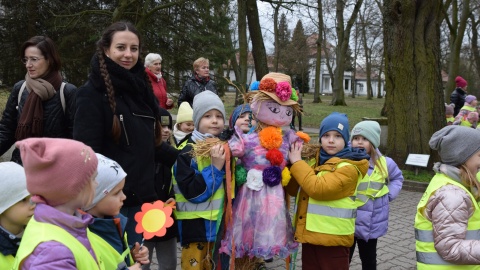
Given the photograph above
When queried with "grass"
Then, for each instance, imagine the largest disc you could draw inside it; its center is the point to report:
(422, 176)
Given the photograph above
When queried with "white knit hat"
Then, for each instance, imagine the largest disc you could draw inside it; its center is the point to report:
(185, 113)
(109, 175)
(13, 185)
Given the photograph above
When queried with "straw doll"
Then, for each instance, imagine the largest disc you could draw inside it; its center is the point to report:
(261, 226)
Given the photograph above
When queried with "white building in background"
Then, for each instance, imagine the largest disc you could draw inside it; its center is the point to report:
(325, 79)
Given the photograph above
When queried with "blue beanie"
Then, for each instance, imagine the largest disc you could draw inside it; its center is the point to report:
(338, 122)
(237, 112)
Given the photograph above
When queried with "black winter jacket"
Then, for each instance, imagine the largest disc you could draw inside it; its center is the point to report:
(192, 87)
(56, 123)
(137, 109)
(458, 98)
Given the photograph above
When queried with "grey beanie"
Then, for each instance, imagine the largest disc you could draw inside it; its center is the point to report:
(204, 102)
(455, 144)
(13, 185)
(368, 129)
(109, 175)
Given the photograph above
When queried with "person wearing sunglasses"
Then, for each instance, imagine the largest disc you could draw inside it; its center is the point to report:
(40, 105)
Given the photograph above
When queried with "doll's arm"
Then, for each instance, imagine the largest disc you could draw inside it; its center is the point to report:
(236, 143)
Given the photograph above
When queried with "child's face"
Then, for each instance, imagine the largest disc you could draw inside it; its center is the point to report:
(243, 121)
(212, 122)
(473, 163)
(111, 204)
(332, 142)
(17, 216)
(165, 133)
(186, 127)
(474, 103)
(360, 142)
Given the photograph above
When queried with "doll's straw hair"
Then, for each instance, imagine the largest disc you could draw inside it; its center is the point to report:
(310, 150)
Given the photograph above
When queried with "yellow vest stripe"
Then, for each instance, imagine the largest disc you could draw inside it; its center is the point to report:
(331, 212)
(431, 258)
(427, 235)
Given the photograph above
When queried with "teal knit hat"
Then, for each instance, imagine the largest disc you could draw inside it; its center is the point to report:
(370, 130)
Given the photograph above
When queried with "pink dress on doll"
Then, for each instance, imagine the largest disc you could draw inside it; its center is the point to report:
(261, 225)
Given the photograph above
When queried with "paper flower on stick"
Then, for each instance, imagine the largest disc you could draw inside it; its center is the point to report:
(154, 219)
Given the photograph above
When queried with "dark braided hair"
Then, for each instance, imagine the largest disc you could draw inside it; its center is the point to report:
(103, 44)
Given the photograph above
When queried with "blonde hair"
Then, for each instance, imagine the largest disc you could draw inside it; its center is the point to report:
(197, 63)
(374, 157)
(469, 180)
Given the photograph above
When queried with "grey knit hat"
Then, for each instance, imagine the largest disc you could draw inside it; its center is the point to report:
(109, 175)
(455, 144)
(204, 102)
(13, 185)
(368, 129)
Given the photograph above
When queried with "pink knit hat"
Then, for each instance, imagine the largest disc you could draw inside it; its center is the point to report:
(57, 170)
(460, 82)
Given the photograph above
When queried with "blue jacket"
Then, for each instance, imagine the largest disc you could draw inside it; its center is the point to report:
(372, 218)
(197, 187)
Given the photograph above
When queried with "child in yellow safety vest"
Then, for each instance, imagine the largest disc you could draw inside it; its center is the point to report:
(462, 117)
(381, 185)
(326, 207)
(199, 185)
(61, 178)
(447, 222)
(108, 223)
(16, 209)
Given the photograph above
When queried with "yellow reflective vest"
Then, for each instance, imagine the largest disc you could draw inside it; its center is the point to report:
(427, 256)
(333, 217)
(6, 262)
(208, 210)
(110, 256)
(38, 232)
(374, 185)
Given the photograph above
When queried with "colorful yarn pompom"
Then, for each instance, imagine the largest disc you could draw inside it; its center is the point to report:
(294, 96)
(272, 176)
(270, 137)
(240, 175)
(304, 136)
(268, 84)
(275, 157)
(286, 176)
(283, 91)
(254, 86)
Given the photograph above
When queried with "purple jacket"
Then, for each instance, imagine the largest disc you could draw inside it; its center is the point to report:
(54, 255)
(372, 218)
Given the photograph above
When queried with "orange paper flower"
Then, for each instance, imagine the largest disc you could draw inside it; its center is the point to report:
(154, 219)
(268, 84)
(304, 136)
(270, 137)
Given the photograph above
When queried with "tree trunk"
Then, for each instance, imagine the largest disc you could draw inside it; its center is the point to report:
(457, 31)
(475, 49)
(318, 63)
(379, 80)
(413, 80)
(343, 36)
(258, 47)
(275, 34)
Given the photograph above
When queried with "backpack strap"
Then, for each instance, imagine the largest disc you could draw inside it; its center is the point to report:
(21, 92)
(62, 94)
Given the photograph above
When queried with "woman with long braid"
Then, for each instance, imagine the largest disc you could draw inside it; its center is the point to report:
(118, 116)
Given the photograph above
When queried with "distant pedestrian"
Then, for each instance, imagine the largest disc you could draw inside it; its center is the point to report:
(449, 114)
(199, 82)
(447, 221)
(298, 114)
(153, 68)
(382, 183)
(458, 95)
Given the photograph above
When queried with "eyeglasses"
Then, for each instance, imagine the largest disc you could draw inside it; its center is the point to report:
(32, 60)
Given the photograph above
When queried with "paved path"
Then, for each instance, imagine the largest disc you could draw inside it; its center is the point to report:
(396, 250)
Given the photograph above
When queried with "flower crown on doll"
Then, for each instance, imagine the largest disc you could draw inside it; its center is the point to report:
(276, 86)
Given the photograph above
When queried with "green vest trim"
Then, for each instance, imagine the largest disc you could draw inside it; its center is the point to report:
(333, 217)
(110, 256)
(6, 262)
(209, 209)
(427, 256)
(39, 232)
